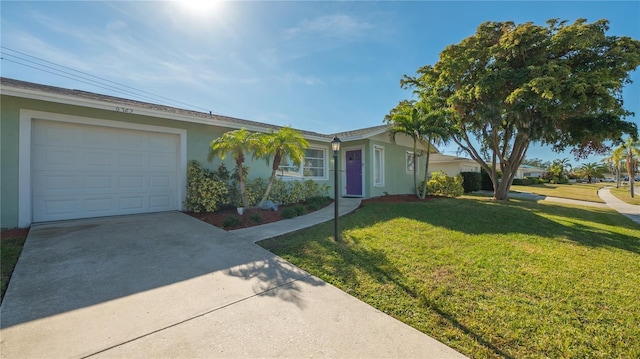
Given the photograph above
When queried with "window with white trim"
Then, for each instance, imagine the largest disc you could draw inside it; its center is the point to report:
(410, 163)
(313, 166)
(378, 166)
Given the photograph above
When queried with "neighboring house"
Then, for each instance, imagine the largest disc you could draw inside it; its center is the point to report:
(532, 171)
(452, 165)
(70, 154)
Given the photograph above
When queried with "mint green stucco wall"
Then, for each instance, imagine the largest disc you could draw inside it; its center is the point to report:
(396, 179)
(198, 138)
(9, 128)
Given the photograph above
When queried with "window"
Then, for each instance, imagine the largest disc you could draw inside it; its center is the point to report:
(378, 166)
(313, 165)
(410, 163)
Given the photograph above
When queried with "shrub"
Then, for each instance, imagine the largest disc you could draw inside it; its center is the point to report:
(471, 181)
(317, 202)
(231, 221)
(442, 185)
(205, 192)
(314, 189)
(255, 218)
(522, 182)
(486, 184)
(288, 213)
(300, 211)
(291, 192)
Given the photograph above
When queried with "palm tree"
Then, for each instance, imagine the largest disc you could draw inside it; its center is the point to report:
(565, 165)
(236, 143)
(632, 151)
(614, 163)
(590, 170)
(416, 121)
(435, 130)
(286, 142)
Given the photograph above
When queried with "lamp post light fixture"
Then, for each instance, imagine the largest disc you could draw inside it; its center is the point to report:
(335, 146)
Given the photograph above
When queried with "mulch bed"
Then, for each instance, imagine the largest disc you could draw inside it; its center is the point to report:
(217, 218)
(14, 233)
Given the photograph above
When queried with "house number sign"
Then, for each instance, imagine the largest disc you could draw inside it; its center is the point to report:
(124, 109)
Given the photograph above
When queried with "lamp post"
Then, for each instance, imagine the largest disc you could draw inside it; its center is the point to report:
(335, 146)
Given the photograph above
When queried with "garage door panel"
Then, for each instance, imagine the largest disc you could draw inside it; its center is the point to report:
(98, 159)
(101, 171)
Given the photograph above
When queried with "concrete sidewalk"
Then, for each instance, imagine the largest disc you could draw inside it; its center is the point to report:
(629, 210)
(168, 285)
(270, 230)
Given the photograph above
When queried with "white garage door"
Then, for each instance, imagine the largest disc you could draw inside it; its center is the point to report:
(81, 171)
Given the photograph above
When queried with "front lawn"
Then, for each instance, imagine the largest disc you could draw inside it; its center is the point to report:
(579, 191)
(490, 279)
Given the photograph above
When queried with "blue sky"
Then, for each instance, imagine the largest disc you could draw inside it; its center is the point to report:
(319, 66)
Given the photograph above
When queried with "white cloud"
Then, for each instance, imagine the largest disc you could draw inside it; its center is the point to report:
(337, 25)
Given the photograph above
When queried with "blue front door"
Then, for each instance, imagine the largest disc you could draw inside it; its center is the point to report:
(354, 173)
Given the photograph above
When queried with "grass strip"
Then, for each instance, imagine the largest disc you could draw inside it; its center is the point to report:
(578, 191)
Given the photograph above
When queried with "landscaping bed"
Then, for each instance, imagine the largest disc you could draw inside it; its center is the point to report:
(228, 218)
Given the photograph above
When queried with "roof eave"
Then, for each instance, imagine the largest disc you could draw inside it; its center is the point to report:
(9, 90)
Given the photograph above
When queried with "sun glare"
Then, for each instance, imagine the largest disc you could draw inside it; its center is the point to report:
(199, 6)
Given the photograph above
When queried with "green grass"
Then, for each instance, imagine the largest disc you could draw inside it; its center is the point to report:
(518, 279)
(579, 191)
(623, 194)
(10, 249)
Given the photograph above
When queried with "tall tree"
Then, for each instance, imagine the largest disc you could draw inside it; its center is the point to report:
(276, 146)
(614, 162)
(591, 170)
(235, 143)
(565, 165)
(509, 85)
(631, 150)
(421, 125)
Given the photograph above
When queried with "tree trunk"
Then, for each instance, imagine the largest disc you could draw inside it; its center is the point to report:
(501, 191)
(631, 166)
(276, 163)
(415, 169)
(243, 188)
(426, 171)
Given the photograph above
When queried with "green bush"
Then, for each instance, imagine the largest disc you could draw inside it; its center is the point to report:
(471, 181)
(205, 191)
(442, 185)
(291, 192)
(300, 211)
(288, 213)
(317, 202)
(522, 182)
(231, 221)
(485, 183)
(255, 218)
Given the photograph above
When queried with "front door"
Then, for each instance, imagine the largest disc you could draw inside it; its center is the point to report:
(354, 173)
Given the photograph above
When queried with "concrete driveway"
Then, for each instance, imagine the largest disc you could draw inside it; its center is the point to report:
(168, 285)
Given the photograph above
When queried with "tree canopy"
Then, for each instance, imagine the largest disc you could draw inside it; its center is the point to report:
(278, 145)
(509, 85)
